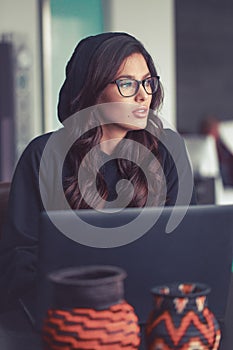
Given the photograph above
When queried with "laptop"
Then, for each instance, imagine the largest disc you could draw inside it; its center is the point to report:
(198, 249)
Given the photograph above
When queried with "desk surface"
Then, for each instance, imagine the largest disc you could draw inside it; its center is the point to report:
(17, 333)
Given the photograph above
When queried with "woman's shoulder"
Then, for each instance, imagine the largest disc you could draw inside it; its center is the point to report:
(39, 142)
(37, 145)
(31, 155)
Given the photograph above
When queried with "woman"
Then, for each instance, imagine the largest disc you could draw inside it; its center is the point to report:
(114, 72)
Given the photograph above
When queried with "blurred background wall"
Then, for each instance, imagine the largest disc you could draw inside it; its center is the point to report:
(204, 61)
(20, 80)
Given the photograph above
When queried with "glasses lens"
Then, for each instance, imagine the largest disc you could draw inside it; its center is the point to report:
(127, 87)
(151, 85)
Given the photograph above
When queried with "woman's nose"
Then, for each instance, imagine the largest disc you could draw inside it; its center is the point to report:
(141, 94)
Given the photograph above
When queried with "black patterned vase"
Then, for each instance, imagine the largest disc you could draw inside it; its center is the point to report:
(181, 319)
(89, 311)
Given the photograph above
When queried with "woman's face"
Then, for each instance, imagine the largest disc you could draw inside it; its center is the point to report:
(129, 113)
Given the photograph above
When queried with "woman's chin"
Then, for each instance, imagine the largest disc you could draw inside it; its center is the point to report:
(138, 125)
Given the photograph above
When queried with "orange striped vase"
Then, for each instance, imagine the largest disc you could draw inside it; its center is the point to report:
(89, 311)
(181, 319)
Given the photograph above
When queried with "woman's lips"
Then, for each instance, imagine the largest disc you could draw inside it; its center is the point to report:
(140, 112)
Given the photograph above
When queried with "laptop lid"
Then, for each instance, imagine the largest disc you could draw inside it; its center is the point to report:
(199, 249)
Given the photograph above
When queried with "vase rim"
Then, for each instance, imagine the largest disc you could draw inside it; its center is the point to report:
(87, 275)
(172, 290)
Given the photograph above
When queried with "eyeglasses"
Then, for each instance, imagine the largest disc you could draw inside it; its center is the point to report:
(129, 87)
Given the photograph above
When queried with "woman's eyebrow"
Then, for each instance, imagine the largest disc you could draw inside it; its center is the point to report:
(147, 75)
(132, 76)
(125, 76)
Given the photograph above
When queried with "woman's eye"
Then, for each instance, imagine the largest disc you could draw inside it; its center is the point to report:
(148, 82)
(126, 84)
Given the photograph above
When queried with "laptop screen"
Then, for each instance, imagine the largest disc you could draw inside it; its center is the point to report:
(198, 249)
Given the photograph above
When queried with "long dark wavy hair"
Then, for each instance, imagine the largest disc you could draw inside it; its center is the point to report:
(102, 69)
